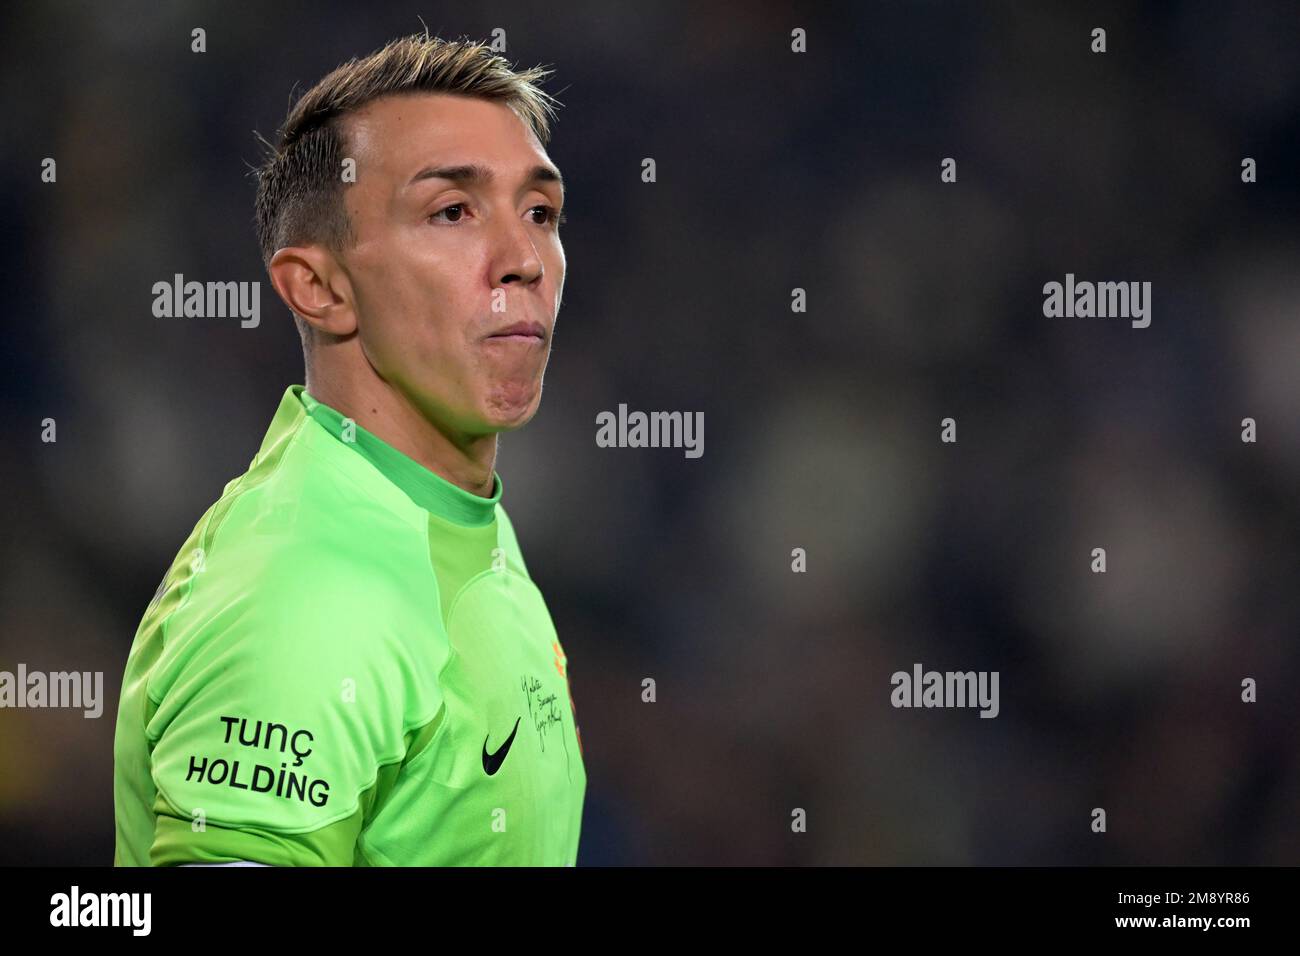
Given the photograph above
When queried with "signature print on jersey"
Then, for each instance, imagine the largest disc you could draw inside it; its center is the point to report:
(543, 708)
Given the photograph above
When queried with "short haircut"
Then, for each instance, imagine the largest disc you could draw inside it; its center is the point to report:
(300, 183)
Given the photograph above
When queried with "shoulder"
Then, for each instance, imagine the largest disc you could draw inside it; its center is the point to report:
(311, 542)
(299, 573)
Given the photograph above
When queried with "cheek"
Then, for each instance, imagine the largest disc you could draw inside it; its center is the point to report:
(438, 348)
(557, 270)
(420, 311)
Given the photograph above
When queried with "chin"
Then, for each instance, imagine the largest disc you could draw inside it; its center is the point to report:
(510, 409)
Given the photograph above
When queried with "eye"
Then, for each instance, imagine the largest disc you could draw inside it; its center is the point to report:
(550, 213)
(459, 209)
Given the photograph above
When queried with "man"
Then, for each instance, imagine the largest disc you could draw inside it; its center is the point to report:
(348, 663)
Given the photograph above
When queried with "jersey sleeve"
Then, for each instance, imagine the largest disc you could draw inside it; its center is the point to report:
(280, 716)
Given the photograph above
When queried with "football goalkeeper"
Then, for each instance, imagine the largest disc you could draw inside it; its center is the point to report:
(347, 662)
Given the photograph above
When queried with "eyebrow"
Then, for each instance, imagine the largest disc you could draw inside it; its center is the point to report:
(475, 174)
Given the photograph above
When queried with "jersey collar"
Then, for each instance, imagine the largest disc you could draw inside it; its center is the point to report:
(430, 491)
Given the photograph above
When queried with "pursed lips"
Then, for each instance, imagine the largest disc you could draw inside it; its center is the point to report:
(520, 332)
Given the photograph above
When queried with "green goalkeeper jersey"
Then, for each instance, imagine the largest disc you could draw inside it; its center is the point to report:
(347, 664)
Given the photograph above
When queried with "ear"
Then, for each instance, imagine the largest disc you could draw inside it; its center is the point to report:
(312, 285)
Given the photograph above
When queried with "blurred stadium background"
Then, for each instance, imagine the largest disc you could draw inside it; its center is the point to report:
(775, 171)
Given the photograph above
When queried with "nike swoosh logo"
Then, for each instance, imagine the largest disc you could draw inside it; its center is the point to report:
(492, 762)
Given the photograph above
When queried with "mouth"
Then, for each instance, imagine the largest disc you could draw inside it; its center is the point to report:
(525, 332)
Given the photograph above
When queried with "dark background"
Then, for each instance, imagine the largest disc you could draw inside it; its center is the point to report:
(775, 170)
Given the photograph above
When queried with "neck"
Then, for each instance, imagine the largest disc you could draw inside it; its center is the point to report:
(377, 406)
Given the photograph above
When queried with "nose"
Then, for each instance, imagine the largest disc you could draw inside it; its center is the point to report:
(517, 259)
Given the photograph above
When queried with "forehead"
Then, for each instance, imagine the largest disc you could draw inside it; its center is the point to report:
(396, 135)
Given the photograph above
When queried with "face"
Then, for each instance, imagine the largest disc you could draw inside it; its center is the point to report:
(457, 269)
